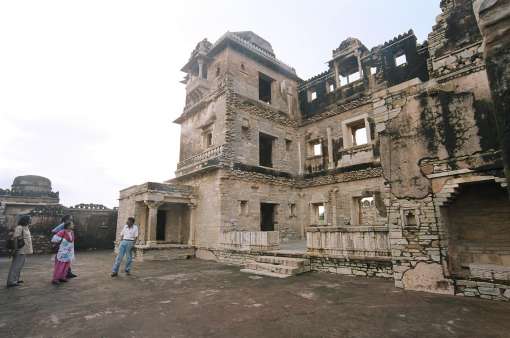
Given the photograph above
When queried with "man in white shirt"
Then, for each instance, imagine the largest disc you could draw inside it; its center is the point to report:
(128, 237)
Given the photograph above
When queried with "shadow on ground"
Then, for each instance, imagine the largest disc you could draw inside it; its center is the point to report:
(195, 298)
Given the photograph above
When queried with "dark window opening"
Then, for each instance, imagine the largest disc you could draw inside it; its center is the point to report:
(267, 211)
(410, 218)
(208, 140)
(161, 225)
(266, 150)
(288, 144)
(265, 88)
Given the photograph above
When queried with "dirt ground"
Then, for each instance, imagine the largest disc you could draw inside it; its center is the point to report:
(194, 298)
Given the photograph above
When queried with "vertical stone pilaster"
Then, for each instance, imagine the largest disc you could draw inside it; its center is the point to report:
(152, 220)
(331, 162)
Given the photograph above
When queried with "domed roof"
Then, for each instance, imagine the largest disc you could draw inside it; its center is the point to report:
(31, 183)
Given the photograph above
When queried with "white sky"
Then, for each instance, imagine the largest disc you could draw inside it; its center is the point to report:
(89, 89)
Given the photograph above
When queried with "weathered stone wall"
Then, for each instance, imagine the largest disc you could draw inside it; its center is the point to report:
(206, 222)
(210, 118)
(340, 266)
(256, 189)
(341, 201)
(94, 229)
(245, 75)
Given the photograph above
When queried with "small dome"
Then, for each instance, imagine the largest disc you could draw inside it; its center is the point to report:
(31, 183)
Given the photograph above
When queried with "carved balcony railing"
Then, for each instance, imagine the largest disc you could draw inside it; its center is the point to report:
(197, 161)
(250, 240)
(314, 164)
(357, 242)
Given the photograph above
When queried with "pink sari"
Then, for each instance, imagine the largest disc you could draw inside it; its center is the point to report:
(64, 256)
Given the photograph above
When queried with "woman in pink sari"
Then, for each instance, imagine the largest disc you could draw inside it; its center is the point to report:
(65, 255)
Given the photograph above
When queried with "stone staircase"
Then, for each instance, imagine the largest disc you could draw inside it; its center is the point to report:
(279, 267)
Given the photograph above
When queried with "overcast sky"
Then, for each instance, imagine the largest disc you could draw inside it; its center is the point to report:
(89, 89)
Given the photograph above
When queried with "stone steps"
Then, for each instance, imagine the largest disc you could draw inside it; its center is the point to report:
(279, 267)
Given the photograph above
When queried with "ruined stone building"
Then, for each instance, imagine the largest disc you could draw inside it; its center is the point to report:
(33, 195)
(387, 164)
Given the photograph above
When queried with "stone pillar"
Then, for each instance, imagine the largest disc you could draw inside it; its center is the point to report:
(192, 228)
(152, 220)
(360, 69)
(200, 69)
(333, 199)
(141, 220)
(337, 74)
(331, 161)
(300, 160)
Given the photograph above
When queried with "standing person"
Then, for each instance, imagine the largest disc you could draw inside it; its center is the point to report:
(65, 255)
(22, 246)
(65, 219)
(128, 237)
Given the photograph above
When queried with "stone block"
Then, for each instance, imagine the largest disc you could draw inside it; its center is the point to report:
(489, 291)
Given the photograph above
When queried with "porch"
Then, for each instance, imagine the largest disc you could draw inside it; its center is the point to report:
(163, 213)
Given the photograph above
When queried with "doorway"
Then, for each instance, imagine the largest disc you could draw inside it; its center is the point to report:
(161, 225)
(267, 216)
(266, 150)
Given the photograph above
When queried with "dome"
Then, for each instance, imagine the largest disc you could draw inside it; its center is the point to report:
(31, 183)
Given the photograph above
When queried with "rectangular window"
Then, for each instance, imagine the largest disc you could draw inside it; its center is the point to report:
(401, 60)
(367, 212)
(313, 96)
(331, 87)
(265, 88)
(243, 208)
(358, 133)
(288, 144)
(317, 149)
(292, 209)
(321, 212)
(266, 150)
(373, 70)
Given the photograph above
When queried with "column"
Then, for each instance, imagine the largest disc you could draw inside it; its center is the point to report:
(360, 69)
(141, 220)
(337, 74)
(192, 229)
(300, 160)
(333, 199)
(200, 69)
(152, 220)
(331, 161)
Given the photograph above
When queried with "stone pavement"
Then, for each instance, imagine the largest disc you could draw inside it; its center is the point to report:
(194, 298)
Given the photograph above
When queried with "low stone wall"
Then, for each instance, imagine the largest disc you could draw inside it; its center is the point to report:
(249, 240)
(163, 252)
(358, 267)
(483, 289)
(362, 241)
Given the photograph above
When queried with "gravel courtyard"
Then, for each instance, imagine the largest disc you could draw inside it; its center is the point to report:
(195, 298)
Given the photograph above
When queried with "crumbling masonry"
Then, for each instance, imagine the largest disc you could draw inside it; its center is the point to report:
(388, 164)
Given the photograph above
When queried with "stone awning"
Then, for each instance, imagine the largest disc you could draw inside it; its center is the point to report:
(160, 192)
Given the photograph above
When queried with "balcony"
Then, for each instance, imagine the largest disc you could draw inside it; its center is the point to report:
(199, 161)
(356, 155)
(197, 83)
(250, 240)
(314, 164)
(359, 242)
